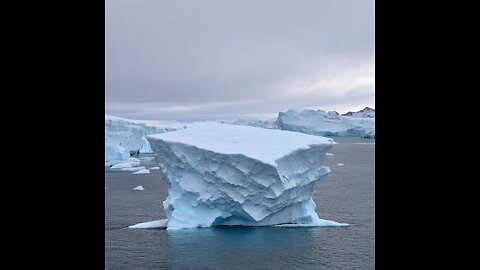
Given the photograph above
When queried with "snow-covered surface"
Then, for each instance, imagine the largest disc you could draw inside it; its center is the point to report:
(328, 154)
(142, 171)
(139, 188)
(340, 164)
(155, 168)
(323, 123)
(238, 175)
(145, 146)
(264, 145)
(156, 224)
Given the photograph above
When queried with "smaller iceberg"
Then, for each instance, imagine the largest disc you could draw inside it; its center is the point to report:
(139, 188)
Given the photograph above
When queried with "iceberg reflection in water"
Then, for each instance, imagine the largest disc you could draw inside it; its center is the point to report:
(243, 247)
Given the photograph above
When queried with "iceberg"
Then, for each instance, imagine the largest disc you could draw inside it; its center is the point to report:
(229, 175)
(323, 123)
(340, 164)
(318, 122)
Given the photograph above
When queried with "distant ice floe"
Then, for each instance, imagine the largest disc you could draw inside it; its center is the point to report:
(147, 158)
(133, 169)
(340, 164)
(328, 154)
(365, 143)
(142, 171)
(155, 168)
(129, 165)
(121, 165)
(139, 188)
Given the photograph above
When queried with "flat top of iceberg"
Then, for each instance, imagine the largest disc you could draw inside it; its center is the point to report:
(266, 145)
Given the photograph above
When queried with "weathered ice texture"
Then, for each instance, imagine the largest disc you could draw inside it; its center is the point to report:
(237, 175)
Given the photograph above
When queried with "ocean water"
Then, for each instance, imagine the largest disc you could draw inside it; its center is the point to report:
(347, 194)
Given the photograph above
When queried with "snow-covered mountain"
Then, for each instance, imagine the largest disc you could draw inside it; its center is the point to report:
(367, 112)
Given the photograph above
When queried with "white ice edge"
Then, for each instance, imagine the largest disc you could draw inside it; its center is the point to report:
(162, 224)
(155, 224)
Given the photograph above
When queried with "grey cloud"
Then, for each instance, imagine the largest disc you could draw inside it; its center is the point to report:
(227, 59)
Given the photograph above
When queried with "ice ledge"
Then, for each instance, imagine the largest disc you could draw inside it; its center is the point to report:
(162, 224)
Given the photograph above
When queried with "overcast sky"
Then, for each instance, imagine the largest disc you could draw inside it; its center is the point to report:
(217, 59)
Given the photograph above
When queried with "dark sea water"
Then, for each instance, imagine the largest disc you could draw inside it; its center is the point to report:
(347, 194)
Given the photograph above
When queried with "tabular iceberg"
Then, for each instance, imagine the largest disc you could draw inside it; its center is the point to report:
(238, 175)
(318, 122)
(323, 123)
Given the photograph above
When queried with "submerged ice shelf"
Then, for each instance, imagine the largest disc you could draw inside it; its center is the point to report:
(238, 175)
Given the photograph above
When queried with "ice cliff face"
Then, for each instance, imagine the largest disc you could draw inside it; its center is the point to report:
(322, 123)
(236, 175)
(145, 146)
